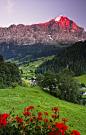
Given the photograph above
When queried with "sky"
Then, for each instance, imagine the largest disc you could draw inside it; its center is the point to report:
(29, 12)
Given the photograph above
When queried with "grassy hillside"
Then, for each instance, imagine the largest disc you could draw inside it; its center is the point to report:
(81, 79)
(22, 97)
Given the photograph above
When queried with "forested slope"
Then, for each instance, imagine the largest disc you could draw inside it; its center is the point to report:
(73, 57)
(11, 50)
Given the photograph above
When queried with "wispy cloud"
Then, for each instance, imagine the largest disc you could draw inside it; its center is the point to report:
(10, 6)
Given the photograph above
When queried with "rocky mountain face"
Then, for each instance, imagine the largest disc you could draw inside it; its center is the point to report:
(60, 29)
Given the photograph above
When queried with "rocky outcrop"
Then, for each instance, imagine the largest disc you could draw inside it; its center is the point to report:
(60, 29)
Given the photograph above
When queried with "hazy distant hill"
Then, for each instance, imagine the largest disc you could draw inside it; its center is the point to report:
(73, 57)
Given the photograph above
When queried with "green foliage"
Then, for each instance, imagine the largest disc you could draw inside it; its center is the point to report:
(2, 86)
(9, 72)
(57, 92)
(14, 84)
(82, 84)
(69, 87)
(39, 79)
(49, 80)
(73, 57)
(26, 83)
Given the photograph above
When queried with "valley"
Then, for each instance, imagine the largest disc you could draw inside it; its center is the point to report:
(54, 53)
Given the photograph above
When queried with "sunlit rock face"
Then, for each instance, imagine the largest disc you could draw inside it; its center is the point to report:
(60, 29)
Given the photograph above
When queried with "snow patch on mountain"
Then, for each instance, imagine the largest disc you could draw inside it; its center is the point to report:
(57, 19)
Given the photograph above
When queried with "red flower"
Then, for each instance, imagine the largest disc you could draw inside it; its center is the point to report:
(55, 108)
(68, 133)
(52, 133)
(27, 114)
(13, 108)
(55, 116)
(3, 120)
(46, 120)
(19, 119)
(62, 127)
(75, 132)
(33, 118)
(45, 113)
(23, 127)
(64, 119)
(25, 109)
(38, 127)
(30, 107)
(49, 128)
(39, 118)
(27, 122)
(4, 115)
(39, 113)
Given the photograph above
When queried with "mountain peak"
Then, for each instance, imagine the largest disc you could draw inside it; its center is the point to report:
(58, 18)
(60, 29)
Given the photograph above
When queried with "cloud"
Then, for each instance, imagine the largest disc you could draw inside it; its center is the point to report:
(10, 6)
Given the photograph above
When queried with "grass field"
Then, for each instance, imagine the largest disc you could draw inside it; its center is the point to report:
(23, 97)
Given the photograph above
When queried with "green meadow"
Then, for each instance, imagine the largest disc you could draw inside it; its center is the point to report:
(81, 79)
(23, 97)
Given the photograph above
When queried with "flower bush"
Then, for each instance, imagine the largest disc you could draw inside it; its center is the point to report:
(34, 124)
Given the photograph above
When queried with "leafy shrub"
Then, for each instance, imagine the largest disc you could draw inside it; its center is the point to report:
(2, 86)
(82, 84)
(56, 92)
(26, 83)
(14, 84)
